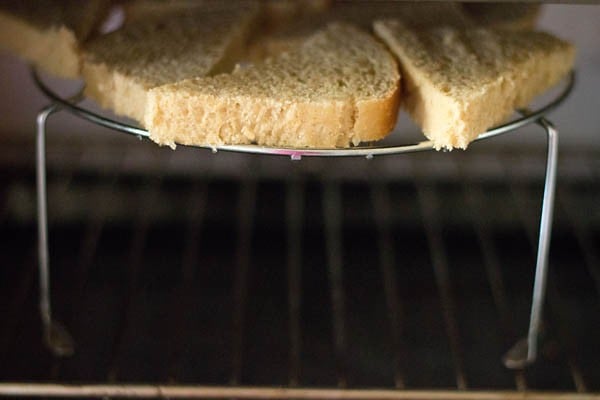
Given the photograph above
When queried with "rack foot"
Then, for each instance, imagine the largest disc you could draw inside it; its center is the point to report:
(524, 352)
(55, 336)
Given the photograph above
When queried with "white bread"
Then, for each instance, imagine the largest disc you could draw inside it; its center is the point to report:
(121, 67)
(511, 16)
(458, 83)
(292, 31)
(340, 87)
(49, 33)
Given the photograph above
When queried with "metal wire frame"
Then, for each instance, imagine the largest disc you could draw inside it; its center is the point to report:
(523, 353)
(297, 153)
(220, 392)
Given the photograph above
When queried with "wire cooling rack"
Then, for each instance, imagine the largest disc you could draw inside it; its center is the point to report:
(523, 353)
(527, 117)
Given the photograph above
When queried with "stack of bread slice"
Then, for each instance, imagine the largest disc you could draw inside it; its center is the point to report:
(334, 75)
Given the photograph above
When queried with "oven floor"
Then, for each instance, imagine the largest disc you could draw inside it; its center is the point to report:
(411, 283)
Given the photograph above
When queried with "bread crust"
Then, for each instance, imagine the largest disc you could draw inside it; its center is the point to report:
(376, 118)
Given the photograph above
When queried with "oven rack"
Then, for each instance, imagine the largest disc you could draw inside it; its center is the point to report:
(523, 353)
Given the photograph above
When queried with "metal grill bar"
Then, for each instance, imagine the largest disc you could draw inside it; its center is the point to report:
(208, 392)
(91, 237)
(382, 219)
(180, 306)
(475, 198)
(148, 198)
(590, 256)
(582, 235)
(559, 322)
(437, 251)
(382, 211)
(527, 220)
(89, 244)
(294, 217)
(332, 204)
(15, 313)
(246, 209)
(10, 324)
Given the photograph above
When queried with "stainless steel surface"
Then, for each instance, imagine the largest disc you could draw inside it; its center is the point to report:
(202, 392)
(524, 352)
(56, 337)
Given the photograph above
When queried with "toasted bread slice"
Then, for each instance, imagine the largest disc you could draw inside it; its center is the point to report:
(121, 67)
(460, 82)
(340, 87)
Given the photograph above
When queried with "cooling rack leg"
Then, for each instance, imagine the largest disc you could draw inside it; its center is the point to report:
(55, 336)
(524, 352)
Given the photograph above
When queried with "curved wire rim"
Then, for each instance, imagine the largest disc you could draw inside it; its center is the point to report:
(528, 117)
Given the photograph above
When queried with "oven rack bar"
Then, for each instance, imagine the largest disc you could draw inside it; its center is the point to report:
(524, 352)
(224, 392)
(462, 170)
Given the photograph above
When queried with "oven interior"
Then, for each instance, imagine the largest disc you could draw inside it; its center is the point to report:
(375, 273)
(411, 272)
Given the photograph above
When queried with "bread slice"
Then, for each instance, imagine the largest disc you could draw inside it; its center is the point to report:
(121, 67)
(49, 33)
(458, 83)
(340, 87)
(292, 32)
(511, 16)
